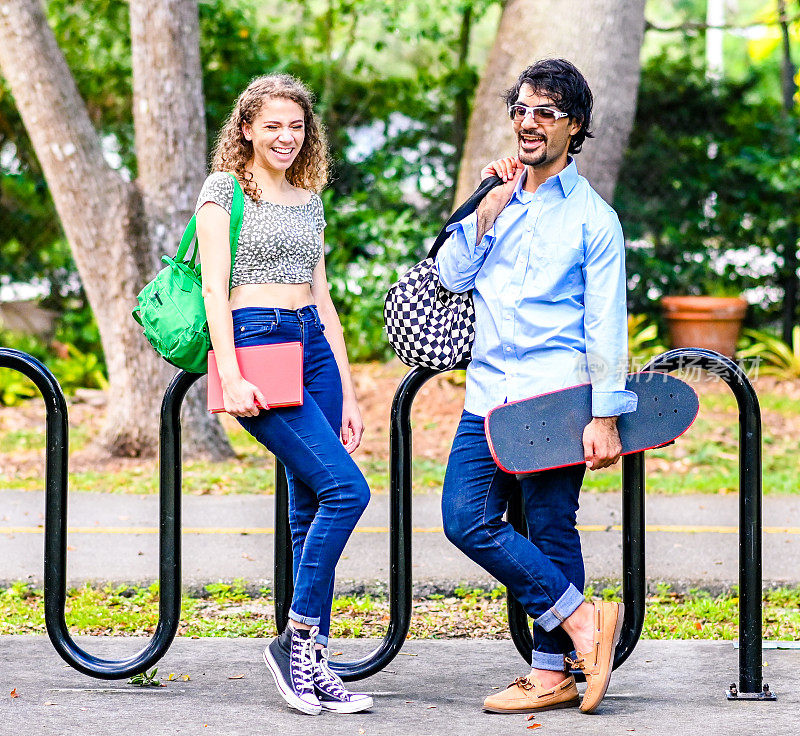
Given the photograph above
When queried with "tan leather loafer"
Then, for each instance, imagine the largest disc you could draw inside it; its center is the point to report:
(527, 695)
(596, 664)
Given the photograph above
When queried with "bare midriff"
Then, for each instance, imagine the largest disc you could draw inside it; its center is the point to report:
(283, 296)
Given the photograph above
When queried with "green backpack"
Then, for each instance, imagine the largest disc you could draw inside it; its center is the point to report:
(171, 307)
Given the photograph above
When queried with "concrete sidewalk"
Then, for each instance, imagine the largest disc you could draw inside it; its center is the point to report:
(666, 688)
(692, 541)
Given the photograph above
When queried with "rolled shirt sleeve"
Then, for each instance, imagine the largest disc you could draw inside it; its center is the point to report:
(605, 318)
(461, 257)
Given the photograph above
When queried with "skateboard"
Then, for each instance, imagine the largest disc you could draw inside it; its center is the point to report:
(546, 431)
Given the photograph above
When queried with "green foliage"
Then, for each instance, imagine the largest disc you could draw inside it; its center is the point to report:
(228, 591)
(643, 340)
(707, 190)
(389, 78)
(72, 367)
(774, 356)
(79, 370)
(146, 679)
(14, 387)
(477, 614)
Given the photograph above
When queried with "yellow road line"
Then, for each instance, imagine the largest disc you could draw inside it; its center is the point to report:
(672, 529)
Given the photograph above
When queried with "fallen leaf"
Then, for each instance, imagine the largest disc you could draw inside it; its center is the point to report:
(235, 677)
(361, 730)
(408, 654)
(336, 654)
(185, 678)
(431, 706)
(70, 548)
(171, 676)
(535, 725)
(50, 703)
(698, 625)
(14, 693)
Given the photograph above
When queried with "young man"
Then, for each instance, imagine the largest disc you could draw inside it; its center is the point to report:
(544, 256)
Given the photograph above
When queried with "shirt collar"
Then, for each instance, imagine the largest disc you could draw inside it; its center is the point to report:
(567, 178)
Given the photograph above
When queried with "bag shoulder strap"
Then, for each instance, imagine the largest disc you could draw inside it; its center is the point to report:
(237, 216)
(467, 208)
(189, 236)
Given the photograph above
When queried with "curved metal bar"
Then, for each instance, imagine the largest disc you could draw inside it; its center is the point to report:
(400, 585)
(633, 572)
(750, 671)
(284, 559)
(55, 537)
(634, 580)
(633, 525)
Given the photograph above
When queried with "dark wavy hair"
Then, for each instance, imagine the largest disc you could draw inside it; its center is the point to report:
(563, 83)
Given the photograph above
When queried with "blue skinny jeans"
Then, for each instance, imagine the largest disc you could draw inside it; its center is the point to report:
(545, 570)
(327, 491)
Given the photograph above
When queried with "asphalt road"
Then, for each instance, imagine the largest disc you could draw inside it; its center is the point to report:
(691, 541)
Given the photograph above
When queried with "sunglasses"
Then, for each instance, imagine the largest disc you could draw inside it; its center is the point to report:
(542, 115)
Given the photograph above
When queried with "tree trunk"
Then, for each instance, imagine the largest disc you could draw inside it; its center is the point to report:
(169, 123)
(602, 38)
(115, 232)
(461, 102)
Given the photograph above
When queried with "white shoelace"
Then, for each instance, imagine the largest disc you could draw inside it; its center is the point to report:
(302, 656)
(328, 679)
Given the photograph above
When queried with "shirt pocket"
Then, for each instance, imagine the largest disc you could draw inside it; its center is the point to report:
(557, 267)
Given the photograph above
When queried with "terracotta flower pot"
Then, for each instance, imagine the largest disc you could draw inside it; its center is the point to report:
(710, 322)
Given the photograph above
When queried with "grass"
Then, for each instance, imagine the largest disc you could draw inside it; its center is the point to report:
(705, 460)
(229, 610)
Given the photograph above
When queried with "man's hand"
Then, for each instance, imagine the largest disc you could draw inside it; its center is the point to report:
(494, 202)
(601, 444)
(505, 168)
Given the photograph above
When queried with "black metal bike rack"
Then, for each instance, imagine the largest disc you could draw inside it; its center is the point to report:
(400, 584)
(633, 530)
(55, 527)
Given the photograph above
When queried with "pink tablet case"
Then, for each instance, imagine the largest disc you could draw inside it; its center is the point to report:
(276, 369)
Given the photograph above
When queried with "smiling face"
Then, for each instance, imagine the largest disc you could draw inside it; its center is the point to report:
(277, 133)
(542, 145)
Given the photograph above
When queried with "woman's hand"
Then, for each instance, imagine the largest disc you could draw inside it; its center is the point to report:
(242, 399)
(352, 425)
(505, 168)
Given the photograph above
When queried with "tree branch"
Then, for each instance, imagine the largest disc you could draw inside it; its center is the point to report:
(699, 26)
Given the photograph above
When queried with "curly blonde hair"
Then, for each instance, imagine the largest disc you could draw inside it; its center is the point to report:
(232, 150)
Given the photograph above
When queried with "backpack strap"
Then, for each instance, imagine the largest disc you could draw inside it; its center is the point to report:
(467, 208)
(189, 237)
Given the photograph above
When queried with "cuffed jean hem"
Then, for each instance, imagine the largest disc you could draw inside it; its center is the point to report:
(547, 661)
(310, 620)
(561, 610)
(322, 639)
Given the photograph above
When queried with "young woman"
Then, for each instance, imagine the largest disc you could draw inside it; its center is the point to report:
(274, 145)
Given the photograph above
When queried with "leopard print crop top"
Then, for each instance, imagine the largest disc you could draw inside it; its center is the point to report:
(279, 243)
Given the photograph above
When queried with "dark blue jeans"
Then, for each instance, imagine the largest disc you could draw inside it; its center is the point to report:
(545, 571)
(327, 491)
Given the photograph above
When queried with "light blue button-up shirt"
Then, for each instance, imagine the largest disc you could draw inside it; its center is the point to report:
(548, 283)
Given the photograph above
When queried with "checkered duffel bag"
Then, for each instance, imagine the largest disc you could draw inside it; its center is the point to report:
(428, 325)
